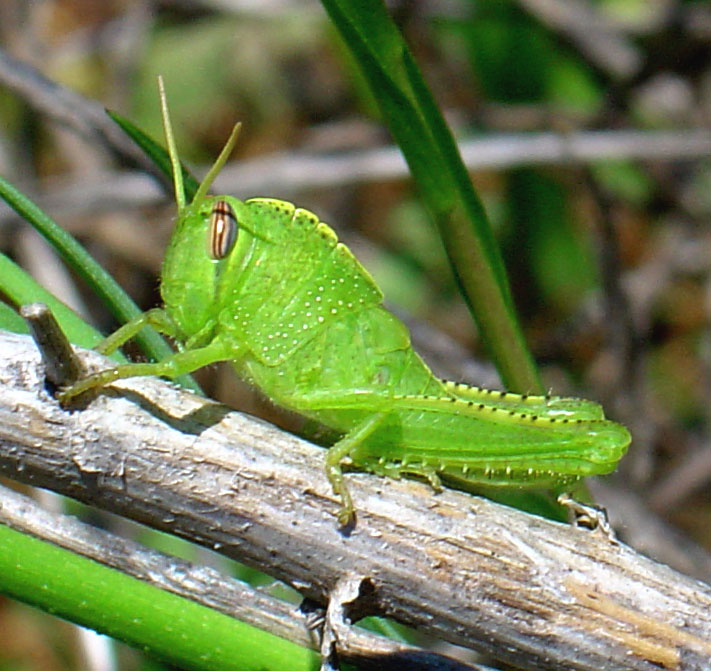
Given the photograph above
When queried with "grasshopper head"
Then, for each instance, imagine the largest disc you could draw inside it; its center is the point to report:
(195, 264)
(205, 233)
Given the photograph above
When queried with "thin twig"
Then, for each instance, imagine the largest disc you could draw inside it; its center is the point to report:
(61, 365)
(293, 172)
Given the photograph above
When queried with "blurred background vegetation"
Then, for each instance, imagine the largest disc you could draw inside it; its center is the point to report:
(605, 234)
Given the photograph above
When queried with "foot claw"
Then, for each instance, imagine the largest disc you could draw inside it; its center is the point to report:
(346, 516)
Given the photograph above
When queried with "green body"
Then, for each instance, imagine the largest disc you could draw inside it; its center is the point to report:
(303, 321)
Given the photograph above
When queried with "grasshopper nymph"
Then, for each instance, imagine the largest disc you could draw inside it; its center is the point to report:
(268, 287)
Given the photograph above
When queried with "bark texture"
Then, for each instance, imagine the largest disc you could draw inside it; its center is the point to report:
(534, 593)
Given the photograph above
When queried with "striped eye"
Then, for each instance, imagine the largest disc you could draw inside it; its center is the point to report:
(223, 230)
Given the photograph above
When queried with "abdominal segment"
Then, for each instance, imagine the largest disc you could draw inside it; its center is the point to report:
(510, 450)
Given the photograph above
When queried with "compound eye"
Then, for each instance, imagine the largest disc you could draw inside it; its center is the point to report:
(223, 230)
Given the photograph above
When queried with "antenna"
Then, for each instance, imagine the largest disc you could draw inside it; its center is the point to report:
(219, 163)
(172, 149)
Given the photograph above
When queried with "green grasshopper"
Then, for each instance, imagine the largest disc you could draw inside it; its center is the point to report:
(268, 287)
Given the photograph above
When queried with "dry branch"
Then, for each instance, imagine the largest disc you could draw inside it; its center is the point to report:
(537, 594)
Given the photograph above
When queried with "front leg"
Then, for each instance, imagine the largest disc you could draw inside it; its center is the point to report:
(157, 318)
(174, 366)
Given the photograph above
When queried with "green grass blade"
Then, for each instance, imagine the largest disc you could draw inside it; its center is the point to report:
(417, 125)
(170, 627)
(157, 153)
(21, 289)
(10, 320)
(114, 297)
